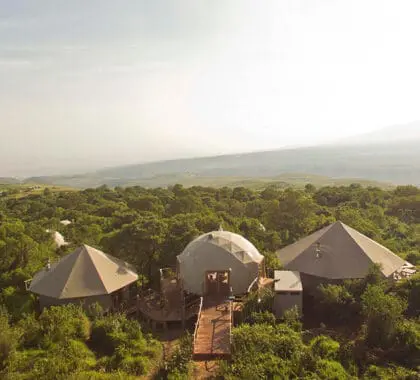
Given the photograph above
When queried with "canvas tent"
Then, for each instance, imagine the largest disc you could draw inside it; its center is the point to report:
(338, 252)
(288, 292)
(85, 276)
(219, 261)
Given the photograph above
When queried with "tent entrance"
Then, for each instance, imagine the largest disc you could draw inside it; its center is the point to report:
(217, 283)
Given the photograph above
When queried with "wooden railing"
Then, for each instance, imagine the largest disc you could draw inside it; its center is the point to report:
(198, 321)
(231, 323)
(252, 284)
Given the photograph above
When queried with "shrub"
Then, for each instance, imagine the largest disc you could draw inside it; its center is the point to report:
(330, 370)
(382, 312)
(61, 323)
(31, 331)
(292, 318)
(324, 347)
(407, 343)
(124, 343)
(17, 302)
(180, 360)
(390, 373)
(135, 365)
(9, 339)
(334, 303)
(61, 360)
(262, 317)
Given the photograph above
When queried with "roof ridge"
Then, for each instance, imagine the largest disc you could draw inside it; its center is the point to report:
(353, 230)
(77, 252)
(90, 251)
(345, 228)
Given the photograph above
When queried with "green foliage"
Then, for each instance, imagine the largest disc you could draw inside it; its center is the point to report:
(62, 323)
(17, 302)
(324, 347)
(409, 290)
(262, 317)
(58, 362)
(335, 303)
(179, 364)
(330, 370)
(123, 344)
(9, 339)
(389, 373)
(258, 301)
(149, 227)
(292, 318)
(382, 313)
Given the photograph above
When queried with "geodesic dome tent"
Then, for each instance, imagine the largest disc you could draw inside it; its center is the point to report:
(219, 252)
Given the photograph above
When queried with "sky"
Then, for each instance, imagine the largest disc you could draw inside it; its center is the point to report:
(90, 84)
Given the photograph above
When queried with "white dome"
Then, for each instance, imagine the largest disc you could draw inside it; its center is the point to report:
(233, 243)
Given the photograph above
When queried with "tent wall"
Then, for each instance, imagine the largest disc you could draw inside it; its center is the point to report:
(310, 282)
(210, 257)
(286, 300)
(104, 300)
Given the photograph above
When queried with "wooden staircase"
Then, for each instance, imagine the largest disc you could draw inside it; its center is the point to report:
(212, 336)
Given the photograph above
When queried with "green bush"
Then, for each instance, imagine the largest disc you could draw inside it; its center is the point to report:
(325, 347)
(9, 339)
(262, 317)
(17, 302)
(292, 318)
(389, 373)
(61, 323)
(31, 331)
(180, 360)
(135, 365)
(382, 312)
(330, 370)
(58, 362)
(124, 344)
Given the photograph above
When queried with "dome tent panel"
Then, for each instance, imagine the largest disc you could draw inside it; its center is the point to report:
(219, 251)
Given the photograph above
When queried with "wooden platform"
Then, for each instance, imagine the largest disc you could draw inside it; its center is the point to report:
(212, 337)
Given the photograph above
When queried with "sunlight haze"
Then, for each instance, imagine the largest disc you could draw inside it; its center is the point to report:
(84, 85)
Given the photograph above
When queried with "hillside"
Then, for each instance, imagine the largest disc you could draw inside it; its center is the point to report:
(366, 328)
(397, 163)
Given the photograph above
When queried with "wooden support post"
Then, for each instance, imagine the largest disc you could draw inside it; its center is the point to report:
(183, 311)
(137, 306)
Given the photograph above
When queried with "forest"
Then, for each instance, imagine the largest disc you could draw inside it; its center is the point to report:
(367, 328)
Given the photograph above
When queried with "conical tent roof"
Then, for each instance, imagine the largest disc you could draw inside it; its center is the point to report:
(338, 252)
(85, 272)
(232, 243)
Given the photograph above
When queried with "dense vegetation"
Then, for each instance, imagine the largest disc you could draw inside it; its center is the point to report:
(369, 329)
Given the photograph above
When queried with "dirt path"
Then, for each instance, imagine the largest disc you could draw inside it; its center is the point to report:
(169, 340)
(205, 369)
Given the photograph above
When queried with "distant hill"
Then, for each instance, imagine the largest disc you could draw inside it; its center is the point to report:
(9, 181)
(394, 162)
(389, 135)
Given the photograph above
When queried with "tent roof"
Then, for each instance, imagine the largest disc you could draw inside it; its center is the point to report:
(232, 243)
(343, 253)
(85, 272)
(286, 280)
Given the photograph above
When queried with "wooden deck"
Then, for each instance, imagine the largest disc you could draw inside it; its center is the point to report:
(213, 333)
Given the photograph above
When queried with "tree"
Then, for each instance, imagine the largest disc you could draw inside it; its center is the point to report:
(382, 312)
(9, 339)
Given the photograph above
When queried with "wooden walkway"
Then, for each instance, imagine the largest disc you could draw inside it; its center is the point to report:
(213, 330)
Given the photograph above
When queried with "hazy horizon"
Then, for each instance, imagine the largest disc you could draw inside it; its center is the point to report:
(86, 85)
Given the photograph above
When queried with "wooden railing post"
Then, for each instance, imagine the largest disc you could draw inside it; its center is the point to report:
(198, 322)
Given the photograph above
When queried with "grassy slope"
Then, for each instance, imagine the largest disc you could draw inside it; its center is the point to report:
(398, 164)
(285, 180)
(23, 190)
